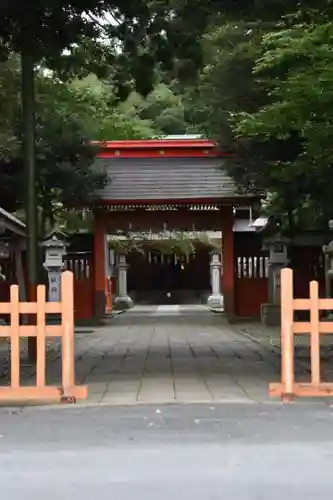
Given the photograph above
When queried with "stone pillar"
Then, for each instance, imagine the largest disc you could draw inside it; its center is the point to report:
(215, 300)
(122, 301)
(228, 261)
(99, 266)
(274, 281)
(54, 278)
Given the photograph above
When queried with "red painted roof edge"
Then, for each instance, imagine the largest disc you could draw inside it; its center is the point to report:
(156, 143)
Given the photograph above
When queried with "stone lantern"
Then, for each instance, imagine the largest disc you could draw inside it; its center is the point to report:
(215, 300)
(328, 251)
(55, 249)
(277, 247)
(122, 300)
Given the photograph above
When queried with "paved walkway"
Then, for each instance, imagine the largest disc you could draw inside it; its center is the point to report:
(181, 354)
(175, 354)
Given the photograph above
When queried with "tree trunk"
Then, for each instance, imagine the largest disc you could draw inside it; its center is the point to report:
(28, 117)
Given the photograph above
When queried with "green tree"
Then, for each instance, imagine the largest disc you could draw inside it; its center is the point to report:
(197, 14)
(264, 94)
(166, 109)
(113, 120)
(42, 30)
(162, 108)
(65, 117)
(294, 132)
(226, 83)
(68, 116)
(9, 100)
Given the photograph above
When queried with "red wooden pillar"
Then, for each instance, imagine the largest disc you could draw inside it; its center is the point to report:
(99, 265)
(228, 262)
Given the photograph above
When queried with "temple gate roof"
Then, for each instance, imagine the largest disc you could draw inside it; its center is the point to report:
(150, 171)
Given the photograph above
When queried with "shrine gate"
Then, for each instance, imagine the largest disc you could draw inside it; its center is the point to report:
(178, 185)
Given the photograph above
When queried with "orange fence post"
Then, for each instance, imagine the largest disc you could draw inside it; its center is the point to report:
(287, 335)
(14, 337)
(288, 388)
(41, 347)
(68, 390)
(68, 357)
(315, 335)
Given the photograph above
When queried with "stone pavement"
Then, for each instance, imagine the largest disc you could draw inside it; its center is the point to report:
(175, 354)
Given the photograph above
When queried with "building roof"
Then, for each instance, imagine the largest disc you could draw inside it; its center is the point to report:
(175, 170)
(260, 223)
(153, 179)
(243, 226)
(182, 136)
(11, 223)
(151, 147)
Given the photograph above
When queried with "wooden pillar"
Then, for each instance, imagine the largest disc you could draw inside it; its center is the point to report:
(228, 263)
(107, 279)
(99, 265)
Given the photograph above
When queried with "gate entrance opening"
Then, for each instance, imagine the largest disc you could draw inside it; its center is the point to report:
(176, 186)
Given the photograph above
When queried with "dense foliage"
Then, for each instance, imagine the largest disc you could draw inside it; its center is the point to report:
(293, 130)
(255, 75)
(264, 93)
(68, 116)
(126, 43)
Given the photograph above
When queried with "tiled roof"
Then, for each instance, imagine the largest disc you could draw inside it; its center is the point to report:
(143, 179)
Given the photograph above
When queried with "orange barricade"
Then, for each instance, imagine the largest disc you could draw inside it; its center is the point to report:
(68, 392)
(289, 388)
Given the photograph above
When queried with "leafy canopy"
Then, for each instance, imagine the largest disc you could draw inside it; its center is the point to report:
(264, 93)
(68, 116)
(127, 39)
(297, 66)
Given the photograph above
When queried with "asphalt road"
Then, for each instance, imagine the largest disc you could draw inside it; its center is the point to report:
(189, 452)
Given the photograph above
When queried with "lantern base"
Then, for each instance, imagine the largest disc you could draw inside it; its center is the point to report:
(216, 303)
(123, 302)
